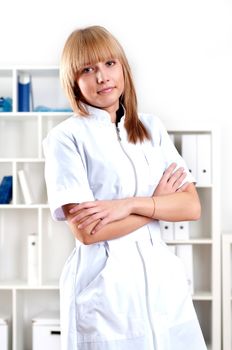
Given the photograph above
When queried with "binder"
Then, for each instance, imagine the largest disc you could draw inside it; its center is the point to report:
(181, 230)
(167, 231)
(32, 261)
(196, 151)
(4, 334)
(185, 253)
(204, 160)
(189, 152)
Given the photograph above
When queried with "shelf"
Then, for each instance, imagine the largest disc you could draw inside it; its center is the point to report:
(17, 285)
(200, 296)
(24, 206)
(190, 241)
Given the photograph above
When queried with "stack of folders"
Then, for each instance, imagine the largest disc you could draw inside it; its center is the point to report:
(174, 231)
(6, 190)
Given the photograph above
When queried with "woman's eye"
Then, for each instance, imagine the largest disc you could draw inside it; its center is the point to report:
(110, 63)
(87, 70)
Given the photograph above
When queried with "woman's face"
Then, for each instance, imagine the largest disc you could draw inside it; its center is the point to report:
(101, 84)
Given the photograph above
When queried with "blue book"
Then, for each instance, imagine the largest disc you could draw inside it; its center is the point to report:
(6, 190)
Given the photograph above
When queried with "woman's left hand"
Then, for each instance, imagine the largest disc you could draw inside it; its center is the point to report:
(104, 211)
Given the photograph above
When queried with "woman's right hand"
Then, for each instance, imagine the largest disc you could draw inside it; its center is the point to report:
(171, 181)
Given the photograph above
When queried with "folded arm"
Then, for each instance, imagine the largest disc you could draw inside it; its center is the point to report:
(114, 218)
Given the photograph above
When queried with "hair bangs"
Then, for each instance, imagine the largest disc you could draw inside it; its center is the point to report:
(97, 47)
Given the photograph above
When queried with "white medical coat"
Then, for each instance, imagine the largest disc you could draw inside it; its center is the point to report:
(129, 293)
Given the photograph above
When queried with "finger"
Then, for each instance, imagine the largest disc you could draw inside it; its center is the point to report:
(99, 225)
(74, 209)
(84, 214)
(179, 181)
(88, 221)
(168, 172)
(183, 187)
(175, 176)
(81, 206)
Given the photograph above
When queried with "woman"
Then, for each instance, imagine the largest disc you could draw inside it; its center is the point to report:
(113, 174)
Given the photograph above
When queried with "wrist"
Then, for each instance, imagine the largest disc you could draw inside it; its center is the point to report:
(131, 205)
(142, 206)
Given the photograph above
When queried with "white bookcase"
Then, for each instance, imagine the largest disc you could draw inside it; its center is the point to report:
(227, 289)
(204, 236)
(21, 135)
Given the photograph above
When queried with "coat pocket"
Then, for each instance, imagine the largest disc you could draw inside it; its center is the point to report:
(107, 309)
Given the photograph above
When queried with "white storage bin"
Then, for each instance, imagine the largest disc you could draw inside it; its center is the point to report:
(4, 345)
(46, 332)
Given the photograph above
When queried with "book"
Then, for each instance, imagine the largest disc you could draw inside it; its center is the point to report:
(25, 187)
(6, 190)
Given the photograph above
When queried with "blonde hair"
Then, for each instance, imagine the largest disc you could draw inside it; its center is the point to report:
(88, 46)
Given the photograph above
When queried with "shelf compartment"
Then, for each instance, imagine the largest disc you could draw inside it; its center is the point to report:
(29, 304)
(46, 88)
(204, 314)
(15, 225)
(18, 136)
(6, 311)
(6, 83)
(54, 234)
(202, 228)
(34, 175)
(202, 268)
(198, 267)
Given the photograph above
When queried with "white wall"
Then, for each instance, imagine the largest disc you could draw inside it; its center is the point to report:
(180, 52)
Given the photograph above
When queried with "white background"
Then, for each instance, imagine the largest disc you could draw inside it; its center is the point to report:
(180, 53)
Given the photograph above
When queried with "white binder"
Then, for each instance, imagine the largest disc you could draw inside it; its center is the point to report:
(32, 261)
(167, 230)
(4, 334)
(185, 253)
(189, 152)
(181, 230)
(203, 160)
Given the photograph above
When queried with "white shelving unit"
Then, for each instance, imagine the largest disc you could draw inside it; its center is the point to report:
(204, 235)
(21, 135)
(227, 289)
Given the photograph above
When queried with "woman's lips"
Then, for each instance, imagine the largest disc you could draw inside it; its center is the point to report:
(105, 90)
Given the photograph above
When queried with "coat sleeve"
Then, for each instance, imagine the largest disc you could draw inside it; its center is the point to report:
(170, 152)
(65, 173)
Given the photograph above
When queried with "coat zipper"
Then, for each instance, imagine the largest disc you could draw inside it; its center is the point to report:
(129, 158)
(148, 307)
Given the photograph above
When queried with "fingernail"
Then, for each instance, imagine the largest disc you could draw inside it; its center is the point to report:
(79, 226)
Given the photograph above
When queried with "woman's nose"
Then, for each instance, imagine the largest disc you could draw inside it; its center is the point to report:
(101, 76)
